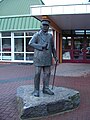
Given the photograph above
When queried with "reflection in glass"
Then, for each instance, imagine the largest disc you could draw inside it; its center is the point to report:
(6, 44)
(19, 34)
(88, 32)
(0, 56)
(0, 44)
(19, 44)
(6, 56)
(79, 32)
(19, 56)
(66, 42)
(29, 56)
(30, 33)
(66, 55)
(6, 34)
(28, 47)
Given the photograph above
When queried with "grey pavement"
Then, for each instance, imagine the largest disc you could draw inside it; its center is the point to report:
(72, 69)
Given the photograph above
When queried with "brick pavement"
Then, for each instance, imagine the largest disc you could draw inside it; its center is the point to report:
(13, 75)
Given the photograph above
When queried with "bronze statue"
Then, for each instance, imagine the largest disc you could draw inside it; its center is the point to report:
(43, 45)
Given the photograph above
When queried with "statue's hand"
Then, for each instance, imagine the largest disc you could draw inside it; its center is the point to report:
(56, 59)
(44, 46)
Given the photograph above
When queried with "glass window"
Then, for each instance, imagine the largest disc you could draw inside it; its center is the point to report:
(79, 32)
(0, 56)
(78, 42)
(6, 44)
(88, 32)
(0, 43)
(6, 34)
(19, 44)
(28, 48)
(19, 34)
(19, 56)
(6, 56)
(29, 56)
(29, 33)
(66, 42)
(66, 48)
(66, 32)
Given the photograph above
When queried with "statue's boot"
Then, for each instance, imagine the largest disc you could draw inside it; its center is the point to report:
(46, 89)
(35, 93)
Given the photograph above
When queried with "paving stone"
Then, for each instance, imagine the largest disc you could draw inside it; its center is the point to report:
(30, 107)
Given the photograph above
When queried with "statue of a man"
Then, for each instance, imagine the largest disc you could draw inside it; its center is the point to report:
(43, 45)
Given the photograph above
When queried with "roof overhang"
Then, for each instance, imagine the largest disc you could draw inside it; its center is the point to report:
(65, 17)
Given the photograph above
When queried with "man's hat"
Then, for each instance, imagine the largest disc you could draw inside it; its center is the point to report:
(45, 22)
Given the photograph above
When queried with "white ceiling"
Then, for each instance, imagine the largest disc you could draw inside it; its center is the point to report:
(74, 21)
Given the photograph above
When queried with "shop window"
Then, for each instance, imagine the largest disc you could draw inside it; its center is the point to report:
(87, 32)
(28, 47)
(19, 44)
(29, 56)
(66, 48)
(6, 44)
(6, 56)
(66, 32)
(0, 56)
(6, 34)
(19, 56)
(0, 44)
(66, 42)
(79, 32)
(30, 33)
(19, 34)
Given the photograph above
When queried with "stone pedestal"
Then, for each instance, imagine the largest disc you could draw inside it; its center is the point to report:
(31, 107)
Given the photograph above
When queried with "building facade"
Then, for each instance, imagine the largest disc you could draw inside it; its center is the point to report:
(72, 26)
(16, 29)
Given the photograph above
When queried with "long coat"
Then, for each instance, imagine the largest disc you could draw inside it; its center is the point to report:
(43, 57)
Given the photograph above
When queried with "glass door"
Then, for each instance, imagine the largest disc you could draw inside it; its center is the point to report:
(6, 46)
(67, 47)
(77, 48)
(88, 45)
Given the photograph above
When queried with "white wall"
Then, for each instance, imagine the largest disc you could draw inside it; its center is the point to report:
(63, 2)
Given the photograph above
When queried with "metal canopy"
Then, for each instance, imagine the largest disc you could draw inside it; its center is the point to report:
(19, 23)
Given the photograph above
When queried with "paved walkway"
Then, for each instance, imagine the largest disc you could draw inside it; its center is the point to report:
(73, 69)
(76, 76)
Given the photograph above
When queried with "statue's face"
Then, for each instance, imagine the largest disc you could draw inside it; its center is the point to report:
(44, 27)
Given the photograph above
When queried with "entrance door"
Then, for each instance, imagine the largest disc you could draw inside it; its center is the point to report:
(78, 45)
(86, 49)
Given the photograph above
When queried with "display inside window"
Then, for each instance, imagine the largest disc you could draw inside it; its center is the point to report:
(19, 34)
(19, 44)
(28, 47)
(6, 34)
(19, 56)
(29, 56)
(6, 44)
(66, 42)
(6, 56)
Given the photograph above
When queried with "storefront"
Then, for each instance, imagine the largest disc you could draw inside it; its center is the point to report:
(76, 46)
(14, 46)
(72, 25)
(69, 23)
(16, 29)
